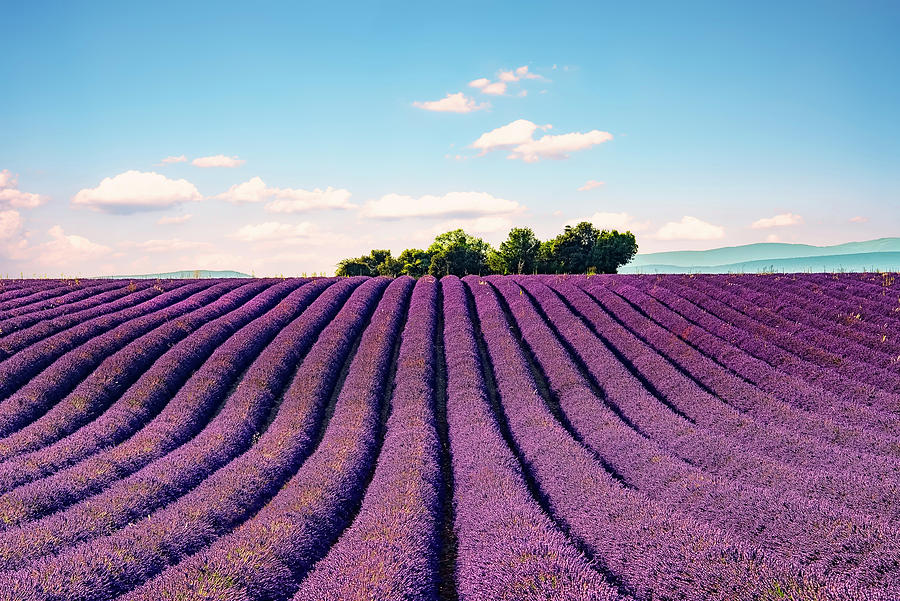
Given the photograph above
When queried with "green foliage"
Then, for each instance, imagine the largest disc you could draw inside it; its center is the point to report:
(414, 262)
(578, 249)
(518, 253)
(458, 253)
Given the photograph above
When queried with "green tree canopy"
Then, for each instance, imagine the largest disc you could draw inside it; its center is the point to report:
(519, 252)
(458, 253)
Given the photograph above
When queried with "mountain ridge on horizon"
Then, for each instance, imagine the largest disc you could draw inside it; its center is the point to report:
(758, 251)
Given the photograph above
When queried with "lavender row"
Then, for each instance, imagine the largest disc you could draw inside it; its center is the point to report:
(267, 556)
(391, 549)
(794, 528)
(824, 352)
(22, 338)
(38, 394)
(775, 356)
(118, 371)
(69, 299)
(27, 361)
(652, 552)
(819, 440)
(96, 299)
(230, 433)
(114, 564)
(840, 338)
(732, 373)
(36, 294)
(507, 546)
(152, 392)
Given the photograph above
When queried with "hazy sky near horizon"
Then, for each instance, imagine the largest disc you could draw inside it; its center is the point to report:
(280, 137)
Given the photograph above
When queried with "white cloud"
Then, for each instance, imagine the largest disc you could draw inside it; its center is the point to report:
(512, 134)
(517, 137)
(168, 245)
(134, 191)
(287, 200)
(772, 238)
(273, 231)
(859, 219)
(64, 250)
(456, 204)
(218, 160)
(782, 220)
(498, 88)
(10, 195)
(174, 219)
(10, 224)
(690, 228)
(452, 103)
(614, 221)
(174, 159)
(13, 242)
(590, 185)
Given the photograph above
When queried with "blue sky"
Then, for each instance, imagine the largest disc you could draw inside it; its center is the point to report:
(708, 124)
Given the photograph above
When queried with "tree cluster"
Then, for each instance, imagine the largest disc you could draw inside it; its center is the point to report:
(578, 249)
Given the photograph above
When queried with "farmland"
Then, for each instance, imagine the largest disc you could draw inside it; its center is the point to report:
(605, 437)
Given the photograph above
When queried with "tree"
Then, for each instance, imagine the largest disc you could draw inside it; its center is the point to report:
(352, 267)
(458, 253)
(519, 251)
(612, 250)
(583, 248)
(414, 262)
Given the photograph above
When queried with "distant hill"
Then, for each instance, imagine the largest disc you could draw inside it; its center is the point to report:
(872, 255)
(889, 261)
(201, 274)
(763, 250)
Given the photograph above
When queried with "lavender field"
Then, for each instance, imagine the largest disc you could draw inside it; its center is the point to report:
(508, 437)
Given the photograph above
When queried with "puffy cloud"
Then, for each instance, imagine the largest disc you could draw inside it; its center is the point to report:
(558, 147)
(452, 103)
(12, 235)
(10, 224)
(859, 219)
(10, 195)
(134, 191)
(218, 160)
(452, 204)
(512, 134)
(614, 221)
(690, 228)
(519, 73)
(173, 159)
(174, 219)
(590, 185)
(781, 220)
(518, 138)
(498, 88)
(287, 200)
(274, 231)
(68, 249)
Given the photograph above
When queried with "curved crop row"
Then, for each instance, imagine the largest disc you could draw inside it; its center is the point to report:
(678, 556)
(796, 528)
(37, 395)
(26, 362)
(267, 556)
(158, 388)
(390, 551)
(160, 482)
(43, 308)
(118, 371)
(9, 326)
